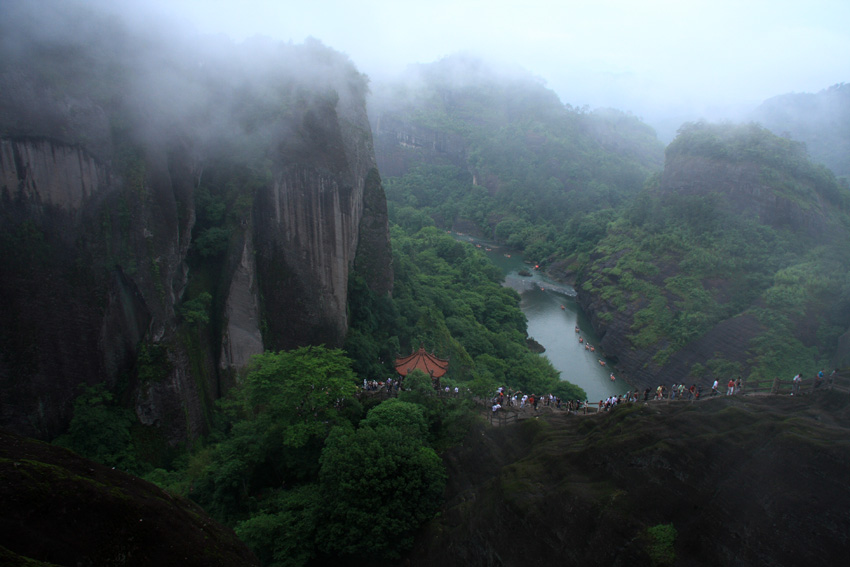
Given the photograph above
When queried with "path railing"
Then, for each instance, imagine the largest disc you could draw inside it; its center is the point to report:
(777, 387)
(502, 418)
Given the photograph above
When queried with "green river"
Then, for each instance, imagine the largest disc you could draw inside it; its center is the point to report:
(553, 316)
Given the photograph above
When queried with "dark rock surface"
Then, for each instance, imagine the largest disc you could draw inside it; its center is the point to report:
(100, 175)
(744, 481)
(61, 509)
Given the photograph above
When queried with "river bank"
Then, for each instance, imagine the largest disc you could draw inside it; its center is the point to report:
(553, 316)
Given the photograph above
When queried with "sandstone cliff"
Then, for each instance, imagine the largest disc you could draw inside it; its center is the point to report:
(193, 201)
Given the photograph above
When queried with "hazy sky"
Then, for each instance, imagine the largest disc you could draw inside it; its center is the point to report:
(686, 57)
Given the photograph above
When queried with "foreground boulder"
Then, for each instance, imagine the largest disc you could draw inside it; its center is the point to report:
(62, 509)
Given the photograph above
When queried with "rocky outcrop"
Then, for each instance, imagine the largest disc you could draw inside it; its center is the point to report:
(62, 509)
(242, 337)
(402, 144)
(94, 266)
(719, 476)
(101, 248)
(48, 173)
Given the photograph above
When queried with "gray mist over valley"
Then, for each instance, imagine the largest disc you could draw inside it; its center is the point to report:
(665, 62)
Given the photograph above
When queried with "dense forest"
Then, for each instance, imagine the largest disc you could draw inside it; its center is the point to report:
(741, 235)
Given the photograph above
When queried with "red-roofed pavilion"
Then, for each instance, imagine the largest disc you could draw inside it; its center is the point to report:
(421, 360)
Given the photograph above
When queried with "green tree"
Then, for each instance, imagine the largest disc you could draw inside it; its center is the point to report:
(399, 415)
(378, 486)
(280, 415)
(297, 394)
(100, 429)
(283, 534)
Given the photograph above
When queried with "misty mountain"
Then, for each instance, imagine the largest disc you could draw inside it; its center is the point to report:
(821, 120)
(514, 152)
(171, 205)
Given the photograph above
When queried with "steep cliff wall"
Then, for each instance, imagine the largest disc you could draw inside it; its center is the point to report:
(402, 145)
(94, 266)
(158, 245)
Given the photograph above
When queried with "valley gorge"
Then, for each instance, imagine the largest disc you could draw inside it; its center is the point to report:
(214, 255)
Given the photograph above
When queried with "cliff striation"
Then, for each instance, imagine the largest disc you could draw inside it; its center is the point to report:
(155, 238)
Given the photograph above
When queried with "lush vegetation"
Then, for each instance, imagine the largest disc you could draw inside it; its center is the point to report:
(670, 265)
(820, 120)
(448, 296)
(519, 164)
(303, 468)
(682, 262)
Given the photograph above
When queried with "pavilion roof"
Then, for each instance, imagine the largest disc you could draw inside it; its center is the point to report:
(421, 360)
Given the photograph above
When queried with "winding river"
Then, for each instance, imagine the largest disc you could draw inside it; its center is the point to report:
(553, 315)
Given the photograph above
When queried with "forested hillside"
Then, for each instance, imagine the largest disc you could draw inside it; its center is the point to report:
(497, 153)
(821, 120)
(733, 262)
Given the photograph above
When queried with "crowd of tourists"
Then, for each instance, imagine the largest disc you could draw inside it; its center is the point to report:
(509, 398)
(677, 391)
(377, 386)
(505, 398)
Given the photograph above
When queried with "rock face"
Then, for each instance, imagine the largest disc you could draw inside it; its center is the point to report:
(401, 145)
(51, 174)
(91, 272)
(65, 510)
(242, 338)
(742, 481)
(210, 218)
